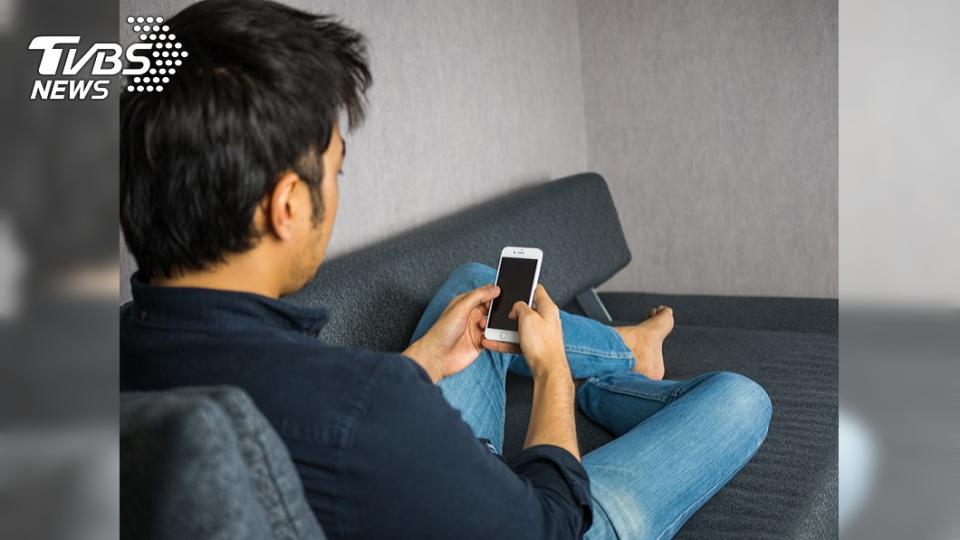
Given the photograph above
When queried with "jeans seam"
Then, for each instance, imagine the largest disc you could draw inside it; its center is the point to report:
(624, 392)
(685, 388)
(596, 352)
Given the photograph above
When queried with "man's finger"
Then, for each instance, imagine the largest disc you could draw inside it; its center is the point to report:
(542, 299)
(500, 346)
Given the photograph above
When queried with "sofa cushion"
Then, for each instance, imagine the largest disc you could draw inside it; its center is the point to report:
(204, 463)
(376, 295)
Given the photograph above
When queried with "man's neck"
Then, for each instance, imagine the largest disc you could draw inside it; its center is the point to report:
(240, 274)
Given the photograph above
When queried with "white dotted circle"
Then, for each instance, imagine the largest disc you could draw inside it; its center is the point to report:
(139, 19)
(130, 89)
(149, 19)
(143, 37)
(166, 80)
(130, 19)
(140, 89)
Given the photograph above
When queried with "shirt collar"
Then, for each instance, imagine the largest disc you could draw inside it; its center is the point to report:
(195, 308)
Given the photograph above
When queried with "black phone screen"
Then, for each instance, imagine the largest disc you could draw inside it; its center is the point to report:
(515, 281)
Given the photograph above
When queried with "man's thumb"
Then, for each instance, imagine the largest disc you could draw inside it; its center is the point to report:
(519, 309)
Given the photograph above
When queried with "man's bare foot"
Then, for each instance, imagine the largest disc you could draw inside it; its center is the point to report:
(646, 341)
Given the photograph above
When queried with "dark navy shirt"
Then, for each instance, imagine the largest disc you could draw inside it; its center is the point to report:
(379, 450)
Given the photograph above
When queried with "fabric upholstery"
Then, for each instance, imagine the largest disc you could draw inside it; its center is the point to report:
(204, 463)
(376, 295)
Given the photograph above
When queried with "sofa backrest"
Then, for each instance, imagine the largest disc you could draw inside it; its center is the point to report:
(376, 295)
(205, 463)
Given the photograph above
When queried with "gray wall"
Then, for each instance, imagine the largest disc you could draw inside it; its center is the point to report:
(714, 122)
(716, 125)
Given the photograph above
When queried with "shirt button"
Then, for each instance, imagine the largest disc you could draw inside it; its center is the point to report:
(144, 315)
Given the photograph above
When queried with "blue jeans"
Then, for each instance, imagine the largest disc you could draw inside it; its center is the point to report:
(677, 442)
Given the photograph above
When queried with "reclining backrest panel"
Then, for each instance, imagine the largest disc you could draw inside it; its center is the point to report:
(377, 294)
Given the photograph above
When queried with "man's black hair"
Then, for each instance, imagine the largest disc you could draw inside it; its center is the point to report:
(258, 95)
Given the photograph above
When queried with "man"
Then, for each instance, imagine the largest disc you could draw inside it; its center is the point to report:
(228, 199)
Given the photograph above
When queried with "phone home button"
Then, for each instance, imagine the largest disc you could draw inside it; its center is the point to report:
(503, 335)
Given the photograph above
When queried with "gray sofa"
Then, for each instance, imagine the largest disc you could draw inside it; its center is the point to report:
(204, 463)
(788, 345)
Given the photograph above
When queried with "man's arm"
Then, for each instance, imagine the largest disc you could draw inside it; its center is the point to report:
(541, 340)
(552, 416)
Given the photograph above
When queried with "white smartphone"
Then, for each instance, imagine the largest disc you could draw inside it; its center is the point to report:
(517, 276)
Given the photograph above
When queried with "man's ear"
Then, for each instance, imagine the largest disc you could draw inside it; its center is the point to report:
(281, 210)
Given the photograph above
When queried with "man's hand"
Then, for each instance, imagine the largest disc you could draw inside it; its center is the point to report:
(541, 335)
(455, 340)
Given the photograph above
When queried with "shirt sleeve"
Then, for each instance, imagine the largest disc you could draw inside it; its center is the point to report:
(417, 467)
(558, 475)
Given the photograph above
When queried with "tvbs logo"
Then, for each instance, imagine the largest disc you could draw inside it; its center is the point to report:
(150, 63)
